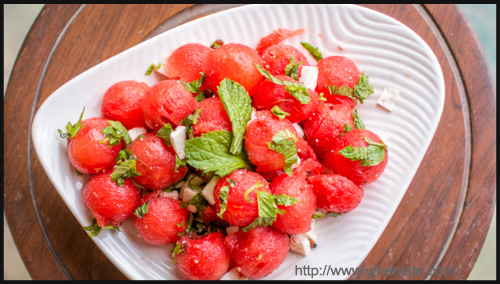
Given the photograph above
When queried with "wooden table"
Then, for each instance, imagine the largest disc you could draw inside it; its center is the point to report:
(441, 222)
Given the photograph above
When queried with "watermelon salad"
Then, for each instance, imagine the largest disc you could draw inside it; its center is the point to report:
(231, 156)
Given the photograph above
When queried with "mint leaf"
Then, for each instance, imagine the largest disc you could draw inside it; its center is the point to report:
(316, 216)
(200, 96)
(194, 87)
(276, 110)
(189, 121)
(363, 89)
(72, 129)
(299, 92)
(94, 229)
(322, 97)
(125, 167)
(179, 163)
(115, 133)
(223, 196)
(372, 155)
(267, 211)
(358, 124)
(313, 51)
(210, 152)
(347, 128)
(164, 133)
(292, 69)
(151, 68)
(295, 89)
(283, 142)
(141, 210)
(177, 249)
(342, 91)
(286, 200)
(238, 106)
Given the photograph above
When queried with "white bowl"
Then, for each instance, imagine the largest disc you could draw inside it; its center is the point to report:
(391, 54)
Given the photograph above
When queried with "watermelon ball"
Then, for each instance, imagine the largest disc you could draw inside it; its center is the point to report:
(259, 251)
(164, 219)
(307, 168)
(335, 193)
(269, 94)
(85, 152)
(240, 211)
(123, 102)
(155, 161)
(337, 71)
(186, 62)
(233, 61)
(297, 217)
(110, 203)
(260, 132)
(202, 257)
(304, 150)
(167, 101)
(212, 117)
(360, 174)
(277, 57)
(323, 129)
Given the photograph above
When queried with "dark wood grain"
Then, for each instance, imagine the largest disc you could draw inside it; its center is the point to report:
(441, 222)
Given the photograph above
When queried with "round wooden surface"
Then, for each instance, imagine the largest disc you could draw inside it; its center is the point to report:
(441, 222)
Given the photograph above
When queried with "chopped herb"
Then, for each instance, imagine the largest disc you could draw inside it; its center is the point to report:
(313, 51)
(164, 132)
(283, 142)
(295, 89)
(363, 89)
(286, 200)
(141, 210)
(194, 87)
(125, 167)
(292, 69)
(94, 229)
(347, 128)
(177, 250)
(342, 91)
(276, 110)
(114, 133)
(72, 129)
(372, 155)
(268, 209)
(358, 124)
(189, 121)
(151, 68)
(316, 216)
(223, 196)
(179, 163)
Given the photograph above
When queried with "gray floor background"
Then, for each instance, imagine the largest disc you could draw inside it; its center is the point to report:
(18, 19)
